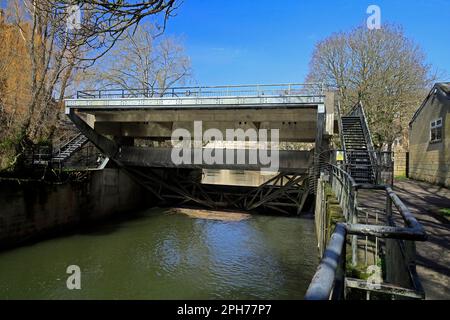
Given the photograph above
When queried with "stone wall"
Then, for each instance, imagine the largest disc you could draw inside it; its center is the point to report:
(400, 164)
(430, 161)
(328, 213)
(30, 209)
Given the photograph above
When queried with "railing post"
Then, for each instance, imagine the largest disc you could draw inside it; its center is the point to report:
(392, 167)
(388, 208)
(339, 286)
(355, 237)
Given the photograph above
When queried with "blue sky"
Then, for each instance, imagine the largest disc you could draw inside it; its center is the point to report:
(270, 41)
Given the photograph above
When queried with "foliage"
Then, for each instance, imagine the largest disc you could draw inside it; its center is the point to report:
(40, 57)
(445, 212)
(142, 60)
(383, 69)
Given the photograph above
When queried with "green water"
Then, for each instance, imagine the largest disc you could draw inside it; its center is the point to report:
(157, 255)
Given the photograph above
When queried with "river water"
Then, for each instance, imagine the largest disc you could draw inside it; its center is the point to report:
(157, 254)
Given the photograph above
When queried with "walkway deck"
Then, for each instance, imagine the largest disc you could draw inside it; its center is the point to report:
(433, 256)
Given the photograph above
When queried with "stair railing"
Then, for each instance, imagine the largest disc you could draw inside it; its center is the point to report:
(341, 130)
(61, 141)
(330, 280)
(65, 143)
(358, 111)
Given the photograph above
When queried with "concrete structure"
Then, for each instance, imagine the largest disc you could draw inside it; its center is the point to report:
(429, 138)
(33, 209)
(401, 164)
(113, 119)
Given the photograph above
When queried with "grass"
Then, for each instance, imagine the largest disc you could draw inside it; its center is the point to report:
(401, 178)
(445, 212)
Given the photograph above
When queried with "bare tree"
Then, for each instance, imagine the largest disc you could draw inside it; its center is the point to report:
(144, 61)
(383, 69)
(44, 53)
(55, 52)
(104, 22)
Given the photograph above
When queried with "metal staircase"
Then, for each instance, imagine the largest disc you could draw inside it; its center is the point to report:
(67, 149)
(357, 144)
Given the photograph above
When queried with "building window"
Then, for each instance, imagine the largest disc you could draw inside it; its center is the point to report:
(436, 130)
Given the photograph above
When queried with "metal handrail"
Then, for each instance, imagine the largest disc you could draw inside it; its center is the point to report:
(366, 127)
(57, 150)
(409, 219)
(323, 282)
(358, 110)
(324, 156)
(62, 140)
(289, 89)
(341, 129)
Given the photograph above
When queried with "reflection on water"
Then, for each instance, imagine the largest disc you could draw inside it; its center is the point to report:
(169, 256)
(236, 177)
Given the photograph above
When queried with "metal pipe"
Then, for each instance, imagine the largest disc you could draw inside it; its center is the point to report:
(323, 283)
(386, 232)
(258, 89)
(321, 286)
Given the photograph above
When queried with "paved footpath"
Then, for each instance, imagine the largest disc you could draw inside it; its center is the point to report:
(433, 256)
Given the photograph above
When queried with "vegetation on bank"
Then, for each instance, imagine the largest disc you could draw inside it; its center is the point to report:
(334, 215)
(445, 212)
(384, 70)
(42, 61)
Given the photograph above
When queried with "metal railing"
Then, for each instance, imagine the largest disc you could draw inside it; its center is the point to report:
(330, 279)
(341, 128)
(86, 157)
(383, 169)
(40, 155)
(62, 140)
(358, 111)
(258, 90)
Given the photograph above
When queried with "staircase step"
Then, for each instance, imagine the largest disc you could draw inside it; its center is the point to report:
(70, 148)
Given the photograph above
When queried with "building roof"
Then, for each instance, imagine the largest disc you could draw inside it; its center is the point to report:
(442, 89)
(445, 86)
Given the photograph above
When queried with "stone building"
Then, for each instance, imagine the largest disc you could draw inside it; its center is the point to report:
(429, 137)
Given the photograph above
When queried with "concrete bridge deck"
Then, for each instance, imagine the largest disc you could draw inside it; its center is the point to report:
(113, 119)
(289, 160)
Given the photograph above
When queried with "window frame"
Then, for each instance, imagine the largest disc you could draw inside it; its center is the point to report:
(434, 126)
